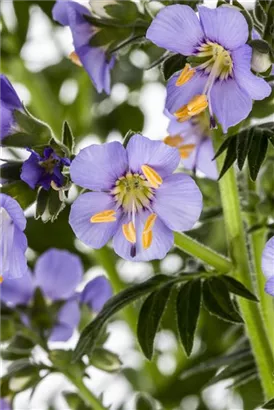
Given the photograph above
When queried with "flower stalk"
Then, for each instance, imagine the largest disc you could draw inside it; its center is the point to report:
(202, 252)
(254, 324)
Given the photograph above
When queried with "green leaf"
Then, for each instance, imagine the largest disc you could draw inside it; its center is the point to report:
(217, 301)
(216, 363)
(105, 360)
(92, 332)
(128, 136)
(21, 368)
(144, 402)
(230, 157)
(150, 318)
(269, 405)
(55, 205)
(41, 202)
(257, 152)
(224, 146)
(19, 347)
(10, 171)
(260, 45)
(244, 140)
(244, 378)
(67, 137)
(7, 328)
(236, 287)
(260, 14)
(234, 370)
(188, 308)
(173, 64)
(126, 11)
(40, 316)
(20, 191)
(32, 132)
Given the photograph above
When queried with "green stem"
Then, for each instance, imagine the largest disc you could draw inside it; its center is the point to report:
(254, 324)
(207, 255)
(85, 393)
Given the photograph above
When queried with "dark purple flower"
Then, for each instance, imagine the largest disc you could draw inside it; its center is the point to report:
(194, 144)
(138, 200)
(13, 241)
(96, 293)
(268, 265)
(221, 78)
(57, 273)
(44, 170)
(9, 102)
(94, 59)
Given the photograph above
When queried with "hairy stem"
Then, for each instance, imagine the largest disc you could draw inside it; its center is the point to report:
(85, 393)
(207, 255)
(237, 246)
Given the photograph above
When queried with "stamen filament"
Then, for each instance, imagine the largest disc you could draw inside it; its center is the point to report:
(129, 232)
(186, 150)
(195, 106)
(104, 216)
(75, 59)
(149, 223)
(186, 75)
(152, 176)
(175, 141)
(147, 239)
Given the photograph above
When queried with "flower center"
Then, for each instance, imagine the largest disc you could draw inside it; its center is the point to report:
(216, 58)
(49, 164)
(132, 192)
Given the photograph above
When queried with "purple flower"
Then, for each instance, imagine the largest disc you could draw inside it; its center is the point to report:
(4, 405)
(44, 170)
(94, 59)
(268, 265)
(13, 242)
(137, 199)
(96, 293)
(192, 140)
(57, 273)
(221, 78)
(9, 102)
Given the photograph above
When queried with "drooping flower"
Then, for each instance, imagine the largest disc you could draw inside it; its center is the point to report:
(137, 199)
(13, 241)
(44, 170)
(9, 101)
(94, 59)
(268, 265)
(57, 273)
(195, 146)
(219, 77)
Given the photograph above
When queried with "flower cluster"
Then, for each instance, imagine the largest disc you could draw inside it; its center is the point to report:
(94, 59)
(137, 200)
(57, 273)
(219, 77)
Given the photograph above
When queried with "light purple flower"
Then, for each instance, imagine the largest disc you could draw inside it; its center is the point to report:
(9, 101)
(268, 265)
(4, 405)
(57, 273)
(137, 199)
(195, 146)
(13, 242)
(43, 170)
(96, 293)
(222, 62)
(94, 59)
